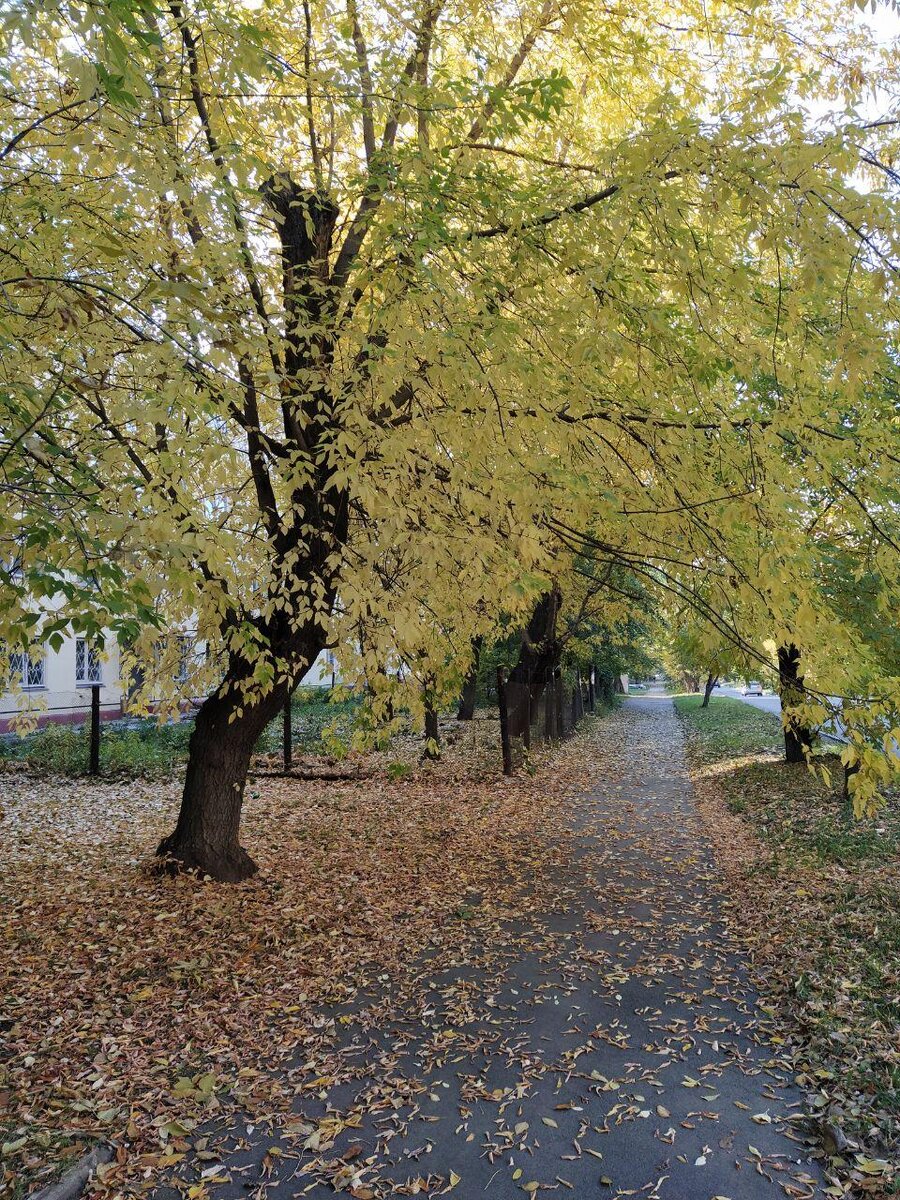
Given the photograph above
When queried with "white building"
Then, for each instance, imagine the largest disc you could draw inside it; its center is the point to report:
(54, 686)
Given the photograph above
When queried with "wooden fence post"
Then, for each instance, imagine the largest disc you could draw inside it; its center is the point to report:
(287, 735)
(94, 754)
(504, 722)
(526, 732)
(559, 704)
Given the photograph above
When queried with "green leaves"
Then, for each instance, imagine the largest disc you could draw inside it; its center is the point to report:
(673, 344)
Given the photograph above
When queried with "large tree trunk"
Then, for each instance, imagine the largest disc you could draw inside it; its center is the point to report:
(711, 681)
(539, 657)
(466, 709)
(205, 838)
(797, 738)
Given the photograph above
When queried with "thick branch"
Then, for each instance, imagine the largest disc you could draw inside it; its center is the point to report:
(515, 65)
(365, 81)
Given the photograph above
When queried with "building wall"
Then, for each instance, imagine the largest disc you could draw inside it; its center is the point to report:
(61, 699)
(320, 673)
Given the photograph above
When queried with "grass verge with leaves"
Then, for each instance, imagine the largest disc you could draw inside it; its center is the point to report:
(816, 896)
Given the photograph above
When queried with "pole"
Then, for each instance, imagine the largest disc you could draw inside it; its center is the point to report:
(591, 698)
(94, 755)
(504, 722)
(287, 735)
(526, 732)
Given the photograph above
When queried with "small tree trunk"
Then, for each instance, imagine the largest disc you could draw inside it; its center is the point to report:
(432, 731)
(797, 738)
(287, 740)
(607, 685)
(505, 743)
(470, 688)
(711, 681)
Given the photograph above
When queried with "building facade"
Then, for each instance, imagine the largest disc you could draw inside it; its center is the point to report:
(55, 686)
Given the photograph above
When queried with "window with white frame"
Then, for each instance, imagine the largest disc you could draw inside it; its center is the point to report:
(185, 657)
(88, 668)
(27, 668)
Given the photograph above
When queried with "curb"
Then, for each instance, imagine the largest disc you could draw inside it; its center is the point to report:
(73, 1183)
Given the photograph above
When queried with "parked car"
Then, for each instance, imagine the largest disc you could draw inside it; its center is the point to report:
(753, 688)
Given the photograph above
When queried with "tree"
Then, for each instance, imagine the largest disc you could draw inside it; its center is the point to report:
(797, 736)
(469, 697)
(285, 302)
(697, 649)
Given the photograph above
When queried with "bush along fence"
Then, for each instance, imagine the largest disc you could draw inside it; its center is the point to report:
(555, 714)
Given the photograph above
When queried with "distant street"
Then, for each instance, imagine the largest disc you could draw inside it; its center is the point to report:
(772, 703)
(769, 703)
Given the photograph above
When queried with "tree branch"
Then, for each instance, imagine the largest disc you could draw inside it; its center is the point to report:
(365, 81)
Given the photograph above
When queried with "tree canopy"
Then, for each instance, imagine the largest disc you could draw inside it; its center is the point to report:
(361, 325)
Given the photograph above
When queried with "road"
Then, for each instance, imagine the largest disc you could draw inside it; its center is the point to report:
(772, 703)
(768, 703)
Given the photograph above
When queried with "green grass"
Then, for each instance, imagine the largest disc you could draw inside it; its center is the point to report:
(729, 728)
(828, 892)
(150, 749)
(788, 807)
(316, 721)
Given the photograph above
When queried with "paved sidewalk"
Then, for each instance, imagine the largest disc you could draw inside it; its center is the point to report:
(609, 1047)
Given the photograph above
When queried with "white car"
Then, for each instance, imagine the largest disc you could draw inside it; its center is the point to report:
(753, 688)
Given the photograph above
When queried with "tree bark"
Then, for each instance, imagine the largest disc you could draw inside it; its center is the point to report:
(466, 709)
(797, 738)
(539, 657)
(205, 838)
(432, 731)
(711, 681)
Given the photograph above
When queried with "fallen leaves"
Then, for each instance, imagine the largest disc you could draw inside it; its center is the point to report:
(816, 898)
(173, 1007)
(134, 1008)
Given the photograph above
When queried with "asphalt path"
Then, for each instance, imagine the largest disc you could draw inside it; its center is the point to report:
(607, 1043)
